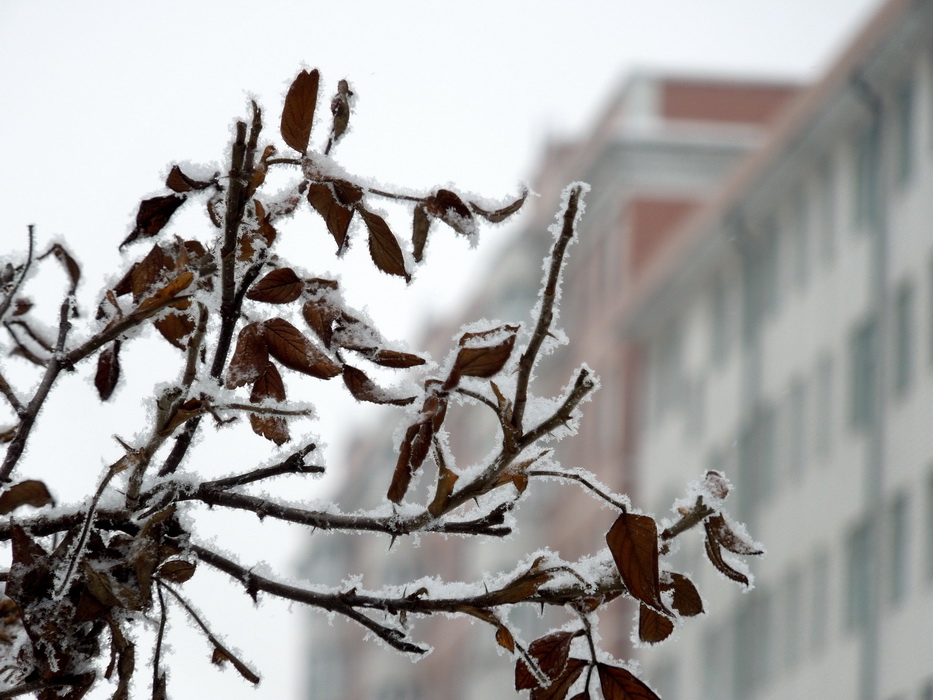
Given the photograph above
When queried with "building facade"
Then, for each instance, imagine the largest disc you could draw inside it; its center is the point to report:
(784, 335)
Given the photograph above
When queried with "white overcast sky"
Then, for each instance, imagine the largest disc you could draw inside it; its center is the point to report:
(98, 98)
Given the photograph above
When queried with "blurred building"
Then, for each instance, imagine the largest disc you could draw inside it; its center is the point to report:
(783, 333)
(662, 148)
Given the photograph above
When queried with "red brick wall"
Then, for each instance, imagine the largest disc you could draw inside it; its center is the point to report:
(725, 102)
(651, 221)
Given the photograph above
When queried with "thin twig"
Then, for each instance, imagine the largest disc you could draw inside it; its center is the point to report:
(546, 314)
(244, 670)
(575, 476)
(5, 303)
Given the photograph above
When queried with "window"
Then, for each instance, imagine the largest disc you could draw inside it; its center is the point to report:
(799, 229)
(929, 526)
(864, 354)
(819, 602)
(716, 659)
(719, 340)
(903, 337)
(756, 464)
(827, 211)
(823, 423)
(859, 566)
(793, 618)
(897, 550)
(797, 426)
(904, 152)
(754, 639)
(867, 181)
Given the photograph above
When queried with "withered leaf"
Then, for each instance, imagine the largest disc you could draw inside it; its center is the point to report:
(269, 385)
(153, 215)
(337, 216)
(174, 326)
(505, 212)
(108, 370)
(167, 293)
(273, 428)
(99, 585)
(718, 529)
(504, 638)
(420, 225)
(716, 484)
(69, 263)
(561, 686)
(585, 695)
(281, 286)
(347, 193)
(619, 684)
(485, 360)
(653, 627)
(298, 111)
(340, 108)
(633, 541)
(390, 358)
(250, 357)
(551, 652)
(446, 480)
(714, 553)
(177, 181)
(222, 655)
(687, 600)
(146, 272)
(320, 317)
(176, 570)
(26, 493)
(365, 389)
(412, 451)
(452, 210)
(383, 246)
(289, 346)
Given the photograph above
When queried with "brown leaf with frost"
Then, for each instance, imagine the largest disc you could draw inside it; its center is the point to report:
(383, 246)
(26, 493)
(633, 541)
(551, 652)
(280, 286)
(497, 215)
(420, 226)
(653, 627)
(177, 181)
(619, 684)
(175, 326)
(337, 216)
(298, 111)
(108, 370)
(250, 357)
(289, 346)
(687, 601)
(153, 215)
(365, 389)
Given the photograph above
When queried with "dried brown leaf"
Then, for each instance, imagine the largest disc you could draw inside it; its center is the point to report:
(69, 263)
(289, 346)
(714, 553)
(687, 601)
(108, 370)
(505, 212)
(281, 286)
(452, 210)
(365, 389)
(561, 686)
(653, 627)
(446, 480)
(153, 215)
(504, 638)
(177, 181)
(383, 246)
(420, 226)
(391, 358)
(26, 493)
(320, 317)
(718, 529)
(485, 360)
(298, 111)
(619, 684)
(551, 652)
(176, 570)
(340, 109)
(269, 385)
(171, 290)
(250, 357)
(174, 326)
(222, 655)
(633, 541)
(145, 273)
(337, 216)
